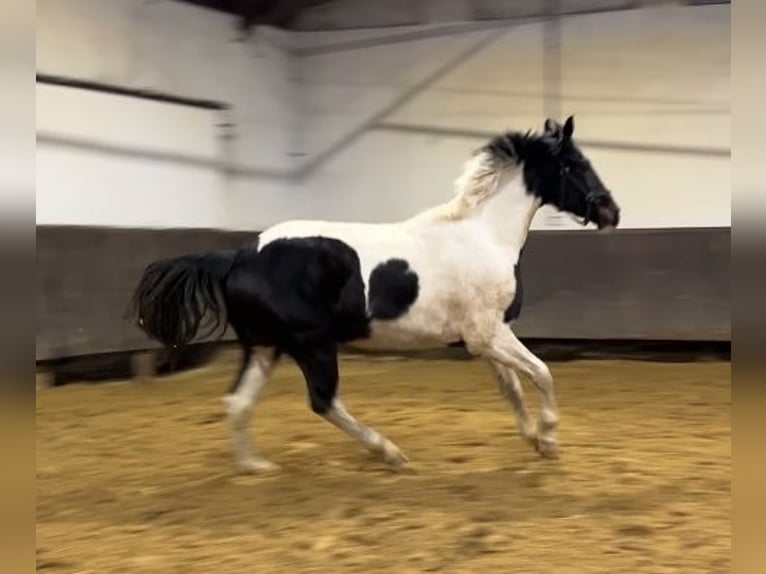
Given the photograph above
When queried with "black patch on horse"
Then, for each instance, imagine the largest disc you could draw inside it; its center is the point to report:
(393, 288)
(514, 309)
(296, 292)
(301, 296)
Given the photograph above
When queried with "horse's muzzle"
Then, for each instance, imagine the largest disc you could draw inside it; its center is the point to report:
(608, 217)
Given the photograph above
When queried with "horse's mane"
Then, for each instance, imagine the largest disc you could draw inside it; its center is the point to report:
(482, 173)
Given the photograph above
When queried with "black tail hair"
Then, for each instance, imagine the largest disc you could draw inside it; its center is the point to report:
(176, 297)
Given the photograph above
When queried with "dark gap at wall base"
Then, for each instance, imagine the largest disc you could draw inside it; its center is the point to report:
(563, 350)
(108, 367)
(631, 285)
(120, 366)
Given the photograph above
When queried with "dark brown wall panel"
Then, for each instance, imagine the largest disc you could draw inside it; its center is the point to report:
(632, 284)
(86, 276)
(647, 284)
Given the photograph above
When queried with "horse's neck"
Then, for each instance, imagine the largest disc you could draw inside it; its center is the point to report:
(508, 215)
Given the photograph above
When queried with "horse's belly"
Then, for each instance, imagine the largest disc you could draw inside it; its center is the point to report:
(407, 333)
(389, 342)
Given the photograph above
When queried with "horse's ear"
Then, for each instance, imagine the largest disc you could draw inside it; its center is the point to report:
(552, 127)
(568, 128)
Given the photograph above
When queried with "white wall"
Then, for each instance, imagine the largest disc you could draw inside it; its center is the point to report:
(119, 161)
(177, 49)
(655, 77)
(335, 115)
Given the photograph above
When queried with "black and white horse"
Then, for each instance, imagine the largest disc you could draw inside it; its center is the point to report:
(447, 276)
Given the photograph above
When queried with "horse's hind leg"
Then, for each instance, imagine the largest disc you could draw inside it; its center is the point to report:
(320, 368)
(510, 388)
(253, 375)
(506, 349)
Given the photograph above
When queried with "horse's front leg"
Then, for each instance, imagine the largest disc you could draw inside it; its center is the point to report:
(510, 387)
(505, 348)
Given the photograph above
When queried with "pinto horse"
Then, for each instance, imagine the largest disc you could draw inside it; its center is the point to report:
(446, 276)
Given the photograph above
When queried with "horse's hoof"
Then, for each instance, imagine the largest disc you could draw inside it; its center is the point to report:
(257, 466)
(547, 448)
(531, 439)
(392, 455)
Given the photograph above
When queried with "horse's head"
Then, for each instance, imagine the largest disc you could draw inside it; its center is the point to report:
(559, 173)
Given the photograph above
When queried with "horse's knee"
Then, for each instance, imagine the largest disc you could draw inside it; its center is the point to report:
(542, 375)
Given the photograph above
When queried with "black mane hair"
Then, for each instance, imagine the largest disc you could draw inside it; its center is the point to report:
(554, 168)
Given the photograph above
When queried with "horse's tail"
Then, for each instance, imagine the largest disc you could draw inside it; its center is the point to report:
(177, 297)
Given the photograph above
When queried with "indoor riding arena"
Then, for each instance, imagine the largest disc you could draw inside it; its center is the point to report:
(175, 128)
